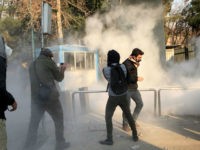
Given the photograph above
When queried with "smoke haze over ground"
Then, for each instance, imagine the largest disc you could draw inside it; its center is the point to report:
(123, 29)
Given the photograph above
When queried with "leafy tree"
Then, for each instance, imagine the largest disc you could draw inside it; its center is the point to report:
(73, 12)
(11, 29)
(193, 16)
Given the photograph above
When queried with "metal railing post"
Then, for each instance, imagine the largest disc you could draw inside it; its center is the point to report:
(172, 88)
(155, 102)
(155, 98)
(76, 92)
(73, 103)
(73, 98)
(159, 103)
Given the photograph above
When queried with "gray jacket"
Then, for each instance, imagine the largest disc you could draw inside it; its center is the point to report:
(107, 72)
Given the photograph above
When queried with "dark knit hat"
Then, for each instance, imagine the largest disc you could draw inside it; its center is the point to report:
(46, 52)
(113, 57)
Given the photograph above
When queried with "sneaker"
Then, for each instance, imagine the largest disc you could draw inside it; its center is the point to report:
(126, 128)
(62, 146)
(106, 142)
(135, 138)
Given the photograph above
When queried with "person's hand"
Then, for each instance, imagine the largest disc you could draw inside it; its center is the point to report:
(63, 67)
(140, 78)
(14, 106)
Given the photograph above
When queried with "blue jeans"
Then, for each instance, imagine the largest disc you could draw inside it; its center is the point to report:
(137, 98)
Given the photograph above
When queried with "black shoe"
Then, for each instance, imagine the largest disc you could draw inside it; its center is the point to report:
(62, 146)
(135, 138)
(106, 142)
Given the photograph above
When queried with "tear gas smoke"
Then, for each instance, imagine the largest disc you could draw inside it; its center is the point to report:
(126, 28)
(123, 29)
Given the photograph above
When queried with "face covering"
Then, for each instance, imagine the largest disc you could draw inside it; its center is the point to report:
(8, 50)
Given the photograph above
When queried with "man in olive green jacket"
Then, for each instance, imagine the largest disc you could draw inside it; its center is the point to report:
(43, 73)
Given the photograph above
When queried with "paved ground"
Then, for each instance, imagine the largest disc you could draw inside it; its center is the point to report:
(156, 133)
(163, 133)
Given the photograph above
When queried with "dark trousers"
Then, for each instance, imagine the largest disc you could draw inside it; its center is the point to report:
(137, 98)
(112, 103)
(54, 109)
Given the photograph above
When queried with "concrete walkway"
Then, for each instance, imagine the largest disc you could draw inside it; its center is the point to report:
(164, 133)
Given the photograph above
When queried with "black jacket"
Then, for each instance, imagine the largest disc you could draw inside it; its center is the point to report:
(132, 76)
(5, 97)
(47, 73)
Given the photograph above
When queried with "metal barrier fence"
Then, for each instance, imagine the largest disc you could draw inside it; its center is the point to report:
(79, 92)
(165, 89)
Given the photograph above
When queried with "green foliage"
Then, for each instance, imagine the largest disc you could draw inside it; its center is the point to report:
(77, 16)
(167, 6)
(11, 10)
(193, 16)
(10, 25)
(94, 5)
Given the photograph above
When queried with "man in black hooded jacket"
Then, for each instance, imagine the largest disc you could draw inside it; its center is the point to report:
(6, 98)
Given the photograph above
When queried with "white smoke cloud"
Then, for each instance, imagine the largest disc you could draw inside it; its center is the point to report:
(187, 72)
(125, 28)
(185, 75)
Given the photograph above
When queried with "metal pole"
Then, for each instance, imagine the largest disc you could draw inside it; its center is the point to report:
(174, 88)
(42, 25)
(73, 98)
(76, 92)
(155, 102)
(32, 32)
(159, 103)
(155, 98)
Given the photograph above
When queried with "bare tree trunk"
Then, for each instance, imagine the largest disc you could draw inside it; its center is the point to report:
(59, 23)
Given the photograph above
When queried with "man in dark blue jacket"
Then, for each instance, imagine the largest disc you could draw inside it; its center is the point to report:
(6, 98)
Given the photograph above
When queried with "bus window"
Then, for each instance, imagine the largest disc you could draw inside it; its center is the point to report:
(80, 60)
(90, 61)
(69, 60)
